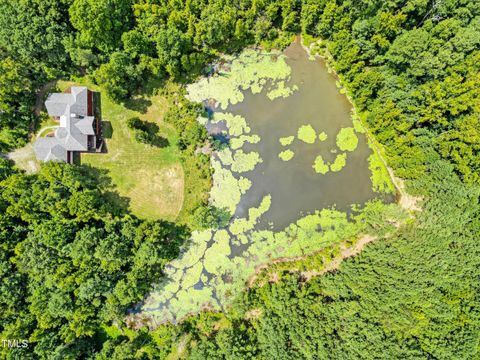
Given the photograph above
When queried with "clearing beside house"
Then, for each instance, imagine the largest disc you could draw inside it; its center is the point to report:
(150, 177)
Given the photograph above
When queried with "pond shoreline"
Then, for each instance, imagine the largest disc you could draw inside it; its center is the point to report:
(264, 101)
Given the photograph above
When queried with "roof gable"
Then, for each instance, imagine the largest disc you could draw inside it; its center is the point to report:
(75, 125)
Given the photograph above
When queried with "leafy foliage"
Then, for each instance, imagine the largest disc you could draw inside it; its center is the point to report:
(72, 260)
(75, 259)
(31, 51)
(418, 275)
(120, 77)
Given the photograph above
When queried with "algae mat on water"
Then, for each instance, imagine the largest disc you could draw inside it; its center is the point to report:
(270, 150)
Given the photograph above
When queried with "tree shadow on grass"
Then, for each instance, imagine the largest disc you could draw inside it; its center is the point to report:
(99, 179)
(107, 129)
(154, 139)
(139, 104)
(146, 132)
(160, 142)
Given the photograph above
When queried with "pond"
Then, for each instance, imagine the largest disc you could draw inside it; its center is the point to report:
(294, 161)
(294, 186)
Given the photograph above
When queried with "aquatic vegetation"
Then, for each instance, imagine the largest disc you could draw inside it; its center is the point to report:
(357, 124)
(237, 143)
(381, 181)
(281, 91)
(255, 213)
(225, 156)
(216, 255)
(250, 70)
(347, 140)
(195, 248)
(241, 225)
(202, 120)
(286, 155)
(244, 184)
(243, 161)
(236, 124)
(320, 166)
(339, 162)
(193, 277)
(213, 267)
(286, 140)
(226, 190)
(189, 287)
(307, 134)
(322, 136)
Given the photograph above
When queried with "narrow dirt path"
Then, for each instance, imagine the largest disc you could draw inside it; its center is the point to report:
(406, 201)
(332, 265)
(344, 254)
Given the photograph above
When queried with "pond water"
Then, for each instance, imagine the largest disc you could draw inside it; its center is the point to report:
(295, 163)
(294, 186)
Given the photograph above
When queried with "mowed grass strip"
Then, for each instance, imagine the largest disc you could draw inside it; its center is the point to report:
(151, 177)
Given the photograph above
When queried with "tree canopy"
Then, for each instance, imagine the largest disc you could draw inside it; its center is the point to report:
(73, 261)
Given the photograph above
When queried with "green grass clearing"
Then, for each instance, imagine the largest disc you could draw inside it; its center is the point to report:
(150, 177)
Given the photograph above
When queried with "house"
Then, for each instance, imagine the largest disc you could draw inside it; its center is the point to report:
(78, 130)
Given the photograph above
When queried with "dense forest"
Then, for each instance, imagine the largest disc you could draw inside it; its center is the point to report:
(73, 261)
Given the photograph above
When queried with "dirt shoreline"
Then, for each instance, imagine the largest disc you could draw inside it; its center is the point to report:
(405, 200)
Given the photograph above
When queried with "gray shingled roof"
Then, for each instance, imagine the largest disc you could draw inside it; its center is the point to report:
(77, 99)
(80, 105)
(56, 104)
(49, 148)
(72, 134)
(85, 125)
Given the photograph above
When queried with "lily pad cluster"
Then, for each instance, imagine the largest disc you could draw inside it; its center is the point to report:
(346, 141)
(209, 274)
(215, 264)
(251, 70)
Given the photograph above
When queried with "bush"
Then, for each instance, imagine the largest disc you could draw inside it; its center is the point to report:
(211, 217)
(146, 133)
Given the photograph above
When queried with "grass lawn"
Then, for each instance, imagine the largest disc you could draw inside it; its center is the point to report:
(152, 178)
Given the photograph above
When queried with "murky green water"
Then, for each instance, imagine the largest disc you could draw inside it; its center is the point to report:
(282, 207)
(294, 187)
